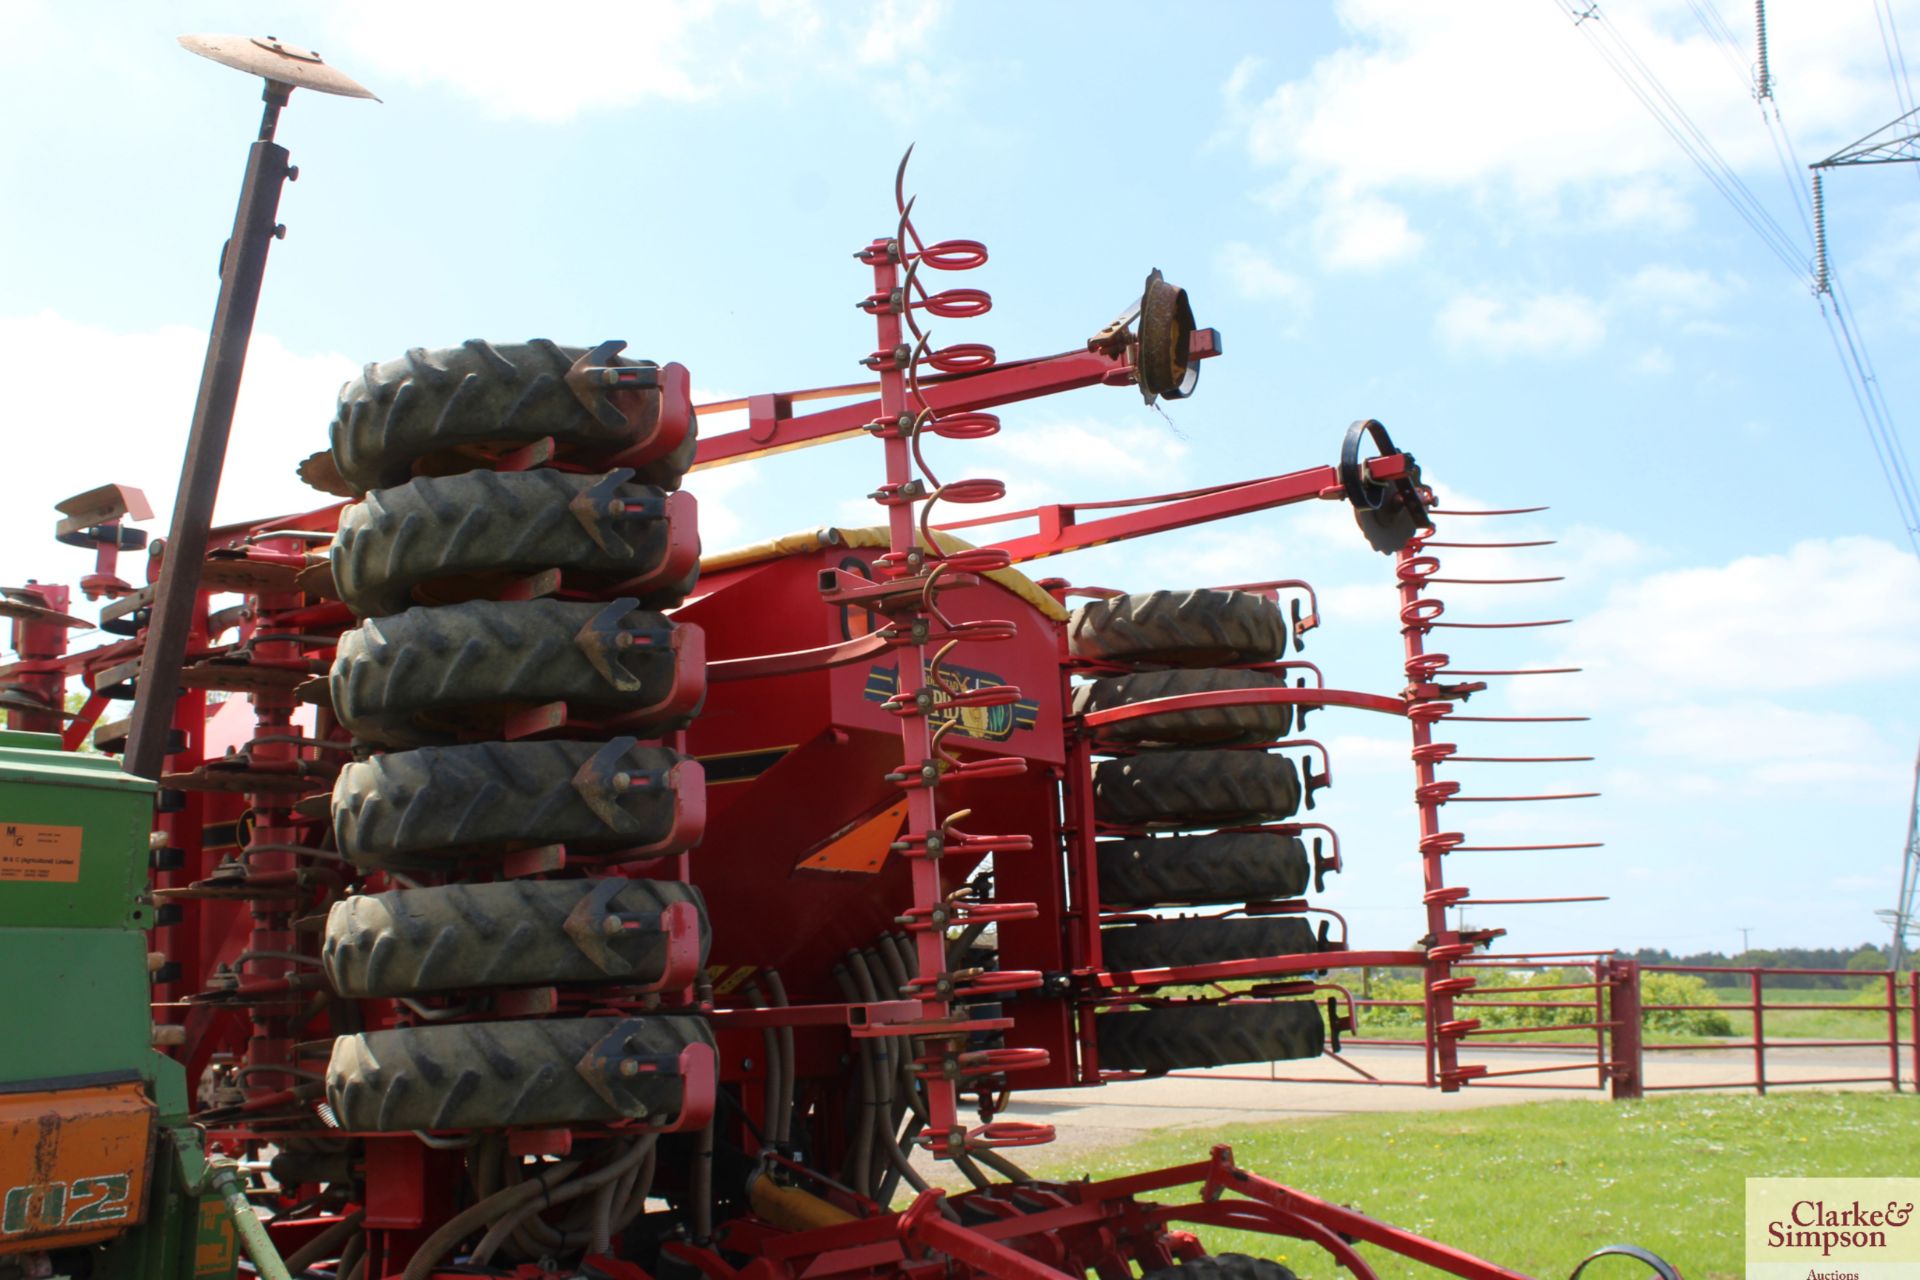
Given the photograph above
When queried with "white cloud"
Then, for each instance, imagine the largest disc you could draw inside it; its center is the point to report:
(1567, 323)
(1365, 232)
(1674, 291)
(580, 56)
(1768, 745)
(724, 504)
(898, 29)
(1506, 100)
(1087, 448)
(575, 57)
(64, 444)
(1829, 611)
(1256, 277)
(1702, 669)
(1650, 202)
(1548, 324)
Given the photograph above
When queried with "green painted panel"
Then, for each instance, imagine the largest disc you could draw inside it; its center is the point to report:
(74, 836)
(74, 1002)
(22, 738)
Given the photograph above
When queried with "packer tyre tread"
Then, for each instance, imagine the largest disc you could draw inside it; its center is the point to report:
(1204, 726)
(1195, 628)
(1196, 788)
(439, 528)
(512, 933)
(1222, 866)
(491, 1075)
(441, 410)
(430, 674)
(1223, 1266)
(1184, 1037)
(434, 805)
(1163, 944)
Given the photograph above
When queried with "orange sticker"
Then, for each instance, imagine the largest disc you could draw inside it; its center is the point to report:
(29, 851)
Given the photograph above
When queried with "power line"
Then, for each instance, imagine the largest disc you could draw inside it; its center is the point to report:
(1849, 347)
(1724, 40)
(1633, 72)
(1896, 56)
(1894, 465)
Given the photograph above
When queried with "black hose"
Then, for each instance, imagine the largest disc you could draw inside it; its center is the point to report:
(324, 1244)
(783, 1128)
(854, 1170)
(456, 1228)
(501, 1230)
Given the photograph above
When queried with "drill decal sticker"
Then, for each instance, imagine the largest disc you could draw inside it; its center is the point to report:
(984, 724)
(31, 851)
(45, 1207)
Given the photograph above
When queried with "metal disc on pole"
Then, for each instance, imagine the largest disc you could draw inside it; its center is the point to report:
(275, 59)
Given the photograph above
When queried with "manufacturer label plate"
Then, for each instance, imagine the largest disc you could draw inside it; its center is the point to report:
(31, 851)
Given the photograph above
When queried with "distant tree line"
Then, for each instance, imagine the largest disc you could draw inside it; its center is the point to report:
(1865, 957)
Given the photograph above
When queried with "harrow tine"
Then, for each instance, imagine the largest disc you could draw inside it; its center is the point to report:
(1501, 626)
(1527, 848)
(1514, 671)
(1564, 795)
(1521, 759)
(1541, 542)
(1498, 582)
(900, 179)
(1507, 511)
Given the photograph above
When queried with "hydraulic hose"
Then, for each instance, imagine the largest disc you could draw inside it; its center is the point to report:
(498, 1233)
(323, 1244)
(226, 1181)
(501, 1202)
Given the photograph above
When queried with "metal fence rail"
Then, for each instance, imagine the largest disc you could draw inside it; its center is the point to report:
(1901, 996)
(1604, 998)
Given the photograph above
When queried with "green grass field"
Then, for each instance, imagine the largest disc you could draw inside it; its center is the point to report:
(1869, 1022)
(1537, 1186)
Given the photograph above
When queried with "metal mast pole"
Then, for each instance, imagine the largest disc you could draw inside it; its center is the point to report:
(242, 268)
(1902, 914)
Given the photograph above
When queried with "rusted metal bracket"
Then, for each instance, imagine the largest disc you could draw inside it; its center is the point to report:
(604, 640)
(601, 508)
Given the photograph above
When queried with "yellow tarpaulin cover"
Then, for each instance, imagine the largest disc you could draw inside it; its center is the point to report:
(796, 544)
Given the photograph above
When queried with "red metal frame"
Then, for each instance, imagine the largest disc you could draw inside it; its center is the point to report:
(817, 719)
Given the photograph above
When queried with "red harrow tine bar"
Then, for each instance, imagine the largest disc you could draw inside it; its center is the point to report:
(915, 554)
(1430, 702)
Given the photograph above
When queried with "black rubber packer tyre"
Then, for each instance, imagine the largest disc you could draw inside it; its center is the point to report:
(1204, 726)
(434, 805)
(1197, 628)
(1222, 1266)
(1196, 788)
(448, 537)
(1183, 1037)
(494, 1075)
(443, 411)
(512, 933)
(1162, 944)
(430, 675)
(1222, 866)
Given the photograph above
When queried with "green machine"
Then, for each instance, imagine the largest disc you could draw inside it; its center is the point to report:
(100, 1172)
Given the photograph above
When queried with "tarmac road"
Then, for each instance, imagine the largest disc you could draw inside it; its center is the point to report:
(1087, 1121)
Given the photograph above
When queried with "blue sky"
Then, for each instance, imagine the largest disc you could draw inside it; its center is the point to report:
(1452, 218)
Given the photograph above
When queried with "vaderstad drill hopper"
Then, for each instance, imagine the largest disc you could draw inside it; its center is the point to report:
(543, 900)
